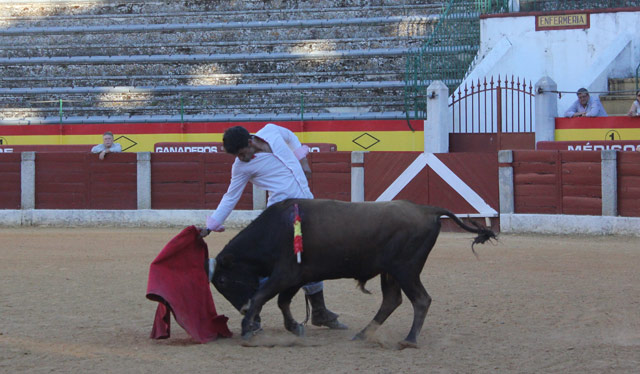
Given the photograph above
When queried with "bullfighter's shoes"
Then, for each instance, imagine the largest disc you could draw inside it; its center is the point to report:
(321, 316)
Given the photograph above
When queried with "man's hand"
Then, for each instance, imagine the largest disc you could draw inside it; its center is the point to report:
(305, 167)
(203, 231)
(102, 154)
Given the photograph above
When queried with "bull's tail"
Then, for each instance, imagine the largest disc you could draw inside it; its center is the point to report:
(484, 234)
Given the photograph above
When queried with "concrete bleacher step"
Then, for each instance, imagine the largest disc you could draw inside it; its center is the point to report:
(206, 100)
(108, 58)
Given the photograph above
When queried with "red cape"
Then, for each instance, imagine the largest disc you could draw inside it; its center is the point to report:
(179, 283)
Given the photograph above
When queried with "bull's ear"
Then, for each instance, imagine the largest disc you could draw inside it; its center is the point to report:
(226, 260)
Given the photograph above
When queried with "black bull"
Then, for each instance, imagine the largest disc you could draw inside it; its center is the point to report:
(341, 240)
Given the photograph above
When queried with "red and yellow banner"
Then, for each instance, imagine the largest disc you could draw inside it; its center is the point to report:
(348, 135)
(598, 128)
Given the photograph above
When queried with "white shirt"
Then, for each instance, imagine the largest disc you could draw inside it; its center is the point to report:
(279, 173)
(115, 147)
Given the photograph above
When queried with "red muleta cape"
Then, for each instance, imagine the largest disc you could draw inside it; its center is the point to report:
(179, 283)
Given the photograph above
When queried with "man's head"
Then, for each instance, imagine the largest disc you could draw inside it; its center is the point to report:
(237, 141)
(583, 96)
(107, 139)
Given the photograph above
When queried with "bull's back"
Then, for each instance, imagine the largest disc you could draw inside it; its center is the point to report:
(358, 239)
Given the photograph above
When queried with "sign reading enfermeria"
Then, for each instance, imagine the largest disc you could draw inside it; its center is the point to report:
(562, 21)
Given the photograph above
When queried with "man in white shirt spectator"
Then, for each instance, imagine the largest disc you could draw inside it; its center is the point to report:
(107, 146)
(274, 160)
(585, 106)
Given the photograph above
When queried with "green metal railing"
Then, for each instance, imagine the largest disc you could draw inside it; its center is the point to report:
(447, 53)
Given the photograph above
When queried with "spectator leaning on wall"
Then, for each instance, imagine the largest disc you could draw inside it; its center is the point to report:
(107, 146)
(634, 111)
(585, 106)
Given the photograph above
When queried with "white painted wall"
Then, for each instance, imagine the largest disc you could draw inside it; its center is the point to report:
(610, 48)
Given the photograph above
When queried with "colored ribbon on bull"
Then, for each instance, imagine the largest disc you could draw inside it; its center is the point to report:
(297, 233)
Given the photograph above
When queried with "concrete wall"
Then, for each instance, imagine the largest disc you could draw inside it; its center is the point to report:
(572, 58)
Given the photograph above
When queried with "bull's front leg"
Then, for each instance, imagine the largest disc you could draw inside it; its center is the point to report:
(251, 311)
(284, 303)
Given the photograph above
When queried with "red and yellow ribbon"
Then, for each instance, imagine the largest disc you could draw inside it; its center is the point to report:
(297, 234)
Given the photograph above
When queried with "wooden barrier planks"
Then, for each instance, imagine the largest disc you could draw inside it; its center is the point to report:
(331, 175)
(83, 181)
(561, 182)
(535, 182)
(581, 182)
(10, 182)
(478, 171)
(192, 181)
(629, 184)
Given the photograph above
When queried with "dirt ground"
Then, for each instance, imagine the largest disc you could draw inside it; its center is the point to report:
(73, 301)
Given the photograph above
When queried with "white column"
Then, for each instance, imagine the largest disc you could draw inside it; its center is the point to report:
(505, 182)
(546, 109)
(609, 183)
(436, 127)
(357, 176)
(144, 180)
(28, 180)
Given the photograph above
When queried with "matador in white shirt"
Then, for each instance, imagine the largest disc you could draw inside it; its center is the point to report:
(274, 160)
(278, 171)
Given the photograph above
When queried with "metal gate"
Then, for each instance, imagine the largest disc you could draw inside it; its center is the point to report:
(494, 107)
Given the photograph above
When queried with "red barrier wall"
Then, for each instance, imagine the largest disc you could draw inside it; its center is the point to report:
(199, 180)
(331, 175)
(629, 184)
(82, 181)
(193, 181)
(10, 181)
(557, 182)
(478, 170)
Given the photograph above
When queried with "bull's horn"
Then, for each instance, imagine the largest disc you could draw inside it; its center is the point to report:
(212, 268)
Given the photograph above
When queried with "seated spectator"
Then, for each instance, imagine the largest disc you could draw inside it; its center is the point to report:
(634, 111)
(107, 146)
(585, 106)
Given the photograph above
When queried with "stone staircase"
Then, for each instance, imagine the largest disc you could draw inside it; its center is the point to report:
(620, 97)
(116, 61)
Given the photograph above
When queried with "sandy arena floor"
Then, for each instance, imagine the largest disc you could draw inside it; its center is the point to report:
(73, 301)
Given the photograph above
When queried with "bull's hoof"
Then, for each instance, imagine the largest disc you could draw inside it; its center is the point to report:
(407, 344)
(359, 336)
(335, 325)
(255, 329)
(297, 330)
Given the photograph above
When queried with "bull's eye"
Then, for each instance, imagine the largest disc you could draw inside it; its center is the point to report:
(222, 280)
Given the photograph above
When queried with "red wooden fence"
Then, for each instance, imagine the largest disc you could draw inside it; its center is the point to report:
(478, 170)
(10, 184)
(552, 182)
(82, 181)
(192, 181)
(331, 176)
(629, 184)
(557, 182)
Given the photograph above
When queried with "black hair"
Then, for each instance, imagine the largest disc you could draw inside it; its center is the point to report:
(582, 90)
(235, 138)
